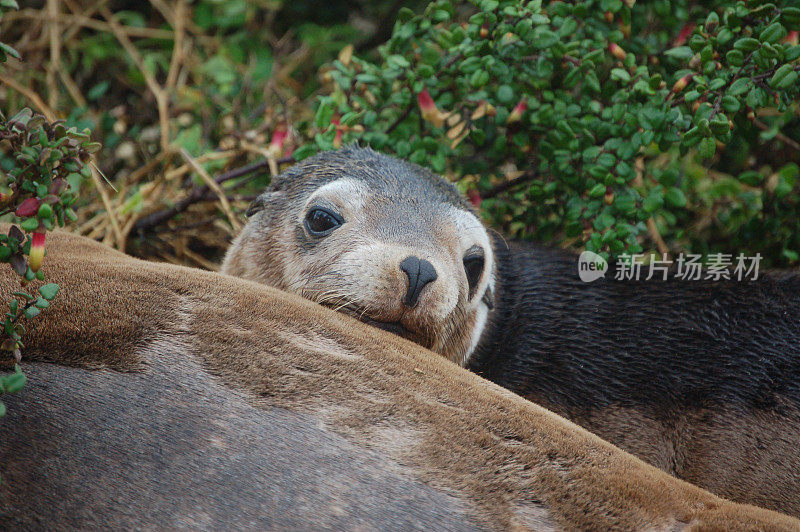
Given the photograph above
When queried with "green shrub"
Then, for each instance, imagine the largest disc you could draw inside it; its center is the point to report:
(41, 180)
(41, 170)
(585, 122)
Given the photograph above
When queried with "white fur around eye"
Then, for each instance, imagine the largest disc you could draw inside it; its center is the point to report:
(347, 194)
(481, 315)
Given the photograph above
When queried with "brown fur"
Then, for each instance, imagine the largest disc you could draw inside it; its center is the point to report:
(509, 462)
(746, 456)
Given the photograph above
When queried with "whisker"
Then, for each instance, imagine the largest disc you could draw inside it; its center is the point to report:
(312, 277)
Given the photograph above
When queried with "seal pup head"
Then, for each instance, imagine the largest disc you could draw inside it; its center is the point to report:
(380, 239)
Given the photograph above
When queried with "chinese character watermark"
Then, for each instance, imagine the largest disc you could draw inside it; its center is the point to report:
(686, 267)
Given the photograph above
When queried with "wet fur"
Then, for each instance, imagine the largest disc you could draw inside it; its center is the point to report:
(699, 378)
(164, 397)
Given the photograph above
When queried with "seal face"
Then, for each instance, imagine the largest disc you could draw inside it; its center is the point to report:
(381, 239)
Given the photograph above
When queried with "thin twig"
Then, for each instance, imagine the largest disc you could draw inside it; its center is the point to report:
(652, 228)
(250, 168)
(171, 16)
(35, 99)
(198, 194)
(98, 184)
(507, 184)
(213, 185)
(74, 26)
(400, 118)
(778, 135)
(158, 92)
(55, 53)
(184, 169)
(72, 87)
(655, 235)
(81, 21)
(177, 47)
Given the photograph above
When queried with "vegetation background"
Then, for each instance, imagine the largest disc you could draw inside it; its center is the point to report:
(621, 127)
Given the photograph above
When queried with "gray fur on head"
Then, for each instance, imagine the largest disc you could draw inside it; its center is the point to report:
(378, 171)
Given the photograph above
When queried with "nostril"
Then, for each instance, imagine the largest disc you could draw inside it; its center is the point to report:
(419, 273)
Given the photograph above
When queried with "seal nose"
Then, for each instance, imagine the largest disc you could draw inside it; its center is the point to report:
(420, 273)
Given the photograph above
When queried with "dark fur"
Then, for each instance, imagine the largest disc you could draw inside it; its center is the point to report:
(725, 355)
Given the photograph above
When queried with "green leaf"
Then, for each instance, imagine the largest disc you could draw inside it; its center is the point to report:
(397, 61)
(707, 148)
(304, 151)
(14, 382)
(735, 57)
(746, 44)
(591, 81)
(619, 74)
(779, 75)
(98, 90)
(405, 14)
(604, 221)
(505, 94)
(691, 96)
(785, 185)
(45, 211)
(730, 104)
(544, 38)
(751, 177)
(324, 113)
(30, 224)
(788, 81)
(738, 87)
(9, 50)
(49, 291)
(683, 53)
(653, 201)
(790, 171)
(675, 197)
(31, 312)
(772, 33)
(479, 78)
(719, 125)
(597, 191)
(724, 36)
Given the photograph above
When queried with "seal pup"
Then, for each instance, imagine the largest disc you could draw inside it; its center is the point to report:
(391, 244)
(701, 379)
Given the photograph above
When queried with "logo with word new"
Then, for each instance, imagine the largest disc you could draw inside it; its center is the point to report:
(591, 266)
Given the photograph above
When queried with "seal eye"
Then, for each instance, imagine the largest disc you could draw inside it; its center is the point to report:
(320, 222)
(473, 266)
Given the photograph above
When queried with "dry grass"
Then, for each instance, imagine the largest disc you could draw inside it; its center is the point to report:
(150, 195)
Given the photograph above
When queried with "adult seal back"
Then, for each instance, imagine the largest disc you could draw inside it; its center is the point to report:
(700, 378)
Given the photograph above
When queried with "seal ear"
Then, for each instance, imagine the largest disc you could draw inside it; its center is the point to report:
(488, 298)
(261, 202)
